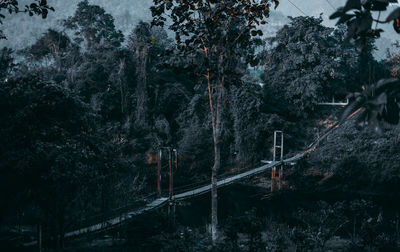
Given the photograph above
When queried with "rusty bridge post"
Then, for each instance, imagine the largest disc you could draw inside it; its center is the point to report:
(172, 164)
(170, 172)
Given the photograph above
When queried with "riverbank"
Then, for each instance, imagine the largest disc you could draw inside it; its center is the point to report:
(250, 221)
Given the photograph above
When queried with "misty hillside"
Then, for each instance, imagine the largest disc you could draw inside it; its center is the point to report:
(127, 13)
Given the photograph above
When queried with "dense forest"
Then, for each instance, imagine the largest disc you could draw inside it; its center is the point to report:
(85, 109)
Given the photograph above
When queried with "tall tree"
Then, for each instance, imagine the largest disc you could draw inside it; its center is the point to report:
(214, 28)
(97, 72)
(309, 63)
(54, 47)
(93, 25)
(47, 156)
(140, 43)
(147, 45)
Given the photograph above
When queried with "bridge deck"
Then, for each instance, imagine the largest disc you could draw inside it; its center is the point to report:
(198, 191)
(192, 193)
(100, 226)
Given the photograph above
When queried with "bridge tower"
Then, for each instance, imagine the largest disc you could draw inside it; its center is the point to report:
(172, 155)
(277, 157)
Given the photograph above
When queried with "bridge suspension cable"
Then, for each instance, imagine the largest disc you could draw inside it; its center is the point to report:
(330, 4)
(103, 224)
(298, 8)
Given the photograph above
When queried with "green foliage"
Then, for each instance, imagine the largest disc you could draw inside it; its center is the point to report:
(77, 120)
(382, 104)
(194, 123)
(46, 142)
(308, 64)
(319, 226)
(250, 124)
(52, 42)
(366, 165)
(358, 17)
(93, 25)
(379, 103)
(222, 30)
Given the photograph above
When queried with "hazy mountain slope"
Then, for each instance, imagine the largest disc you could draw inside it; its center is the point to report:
(23, 30)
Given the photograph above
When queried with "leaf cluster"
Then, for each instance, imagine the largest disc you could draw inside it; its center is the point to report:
(379, 102)
(357, 14)
(216, 28)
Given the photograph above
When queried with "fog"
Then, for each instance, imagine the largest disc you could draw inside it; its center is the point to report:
(23, 30)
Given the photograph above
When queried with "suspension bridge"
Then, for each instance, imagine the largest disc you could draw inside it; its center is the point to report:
(193, 192)
(181, 196)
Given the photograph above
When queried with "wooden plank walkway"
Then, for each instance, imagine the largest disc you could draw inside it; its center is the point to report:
(114, 221)
(191, 193)
(197, 191)
(162, 201)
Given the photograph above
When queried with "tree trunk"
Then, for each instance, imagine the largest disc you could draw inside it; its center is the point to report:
(141, 88)
(215, 91)
(62, 229)
(39, 236)
(59, 231)
(216, 122)
(122, 87)
(214, 194)
(56, 231)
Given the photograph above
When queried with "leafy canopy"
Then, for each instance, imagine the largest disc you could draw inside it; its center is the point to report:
(52, 42)
(309, 63)
(93, 25)
(220, 30)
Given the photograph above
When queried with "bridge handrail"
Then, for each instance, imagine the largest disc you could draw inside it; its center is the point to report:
(198, 191)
